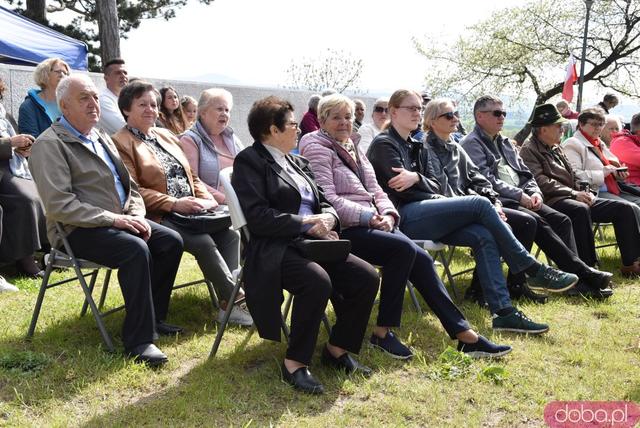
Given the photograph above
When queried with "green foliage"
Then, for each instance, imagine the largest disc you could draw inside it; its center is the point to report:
(451, 365)
(495, 374)
(24, 361)
(332, 69)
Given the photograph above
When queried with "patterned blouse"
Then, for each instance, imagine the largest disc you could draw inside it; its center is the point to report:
(177, 181)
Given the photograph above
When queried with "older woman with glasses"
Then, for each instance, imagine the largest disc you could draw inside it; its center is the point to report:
(40, 107)
(442, 197)
(156, 162)
(211, 145)
(368, 131)
(368, 220)
(593, 162)
(282, 205)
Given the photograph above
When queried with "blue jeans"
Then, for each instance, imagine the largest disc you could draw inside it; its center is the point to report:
(470, 221)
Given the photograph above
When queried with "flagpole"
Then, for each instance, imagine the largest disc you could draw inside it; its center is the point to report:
(588, 3)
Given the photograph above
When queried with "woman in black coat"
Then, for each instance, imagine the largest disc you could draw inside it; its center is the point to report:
(282, 204)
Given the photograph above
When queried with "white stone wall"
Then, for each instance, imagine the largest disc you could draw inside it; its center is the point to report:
(19, 80)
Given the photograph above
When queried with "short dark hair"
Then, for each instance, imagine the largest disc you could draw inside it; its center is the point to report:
(484, 101)
(610, 98)
(268, 111)
(114, 61)
(130, 92)
(635, 123)
(590, 113)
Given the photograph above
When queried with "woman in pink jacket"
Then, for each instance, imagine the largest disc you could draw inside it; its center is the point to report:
(368, 218)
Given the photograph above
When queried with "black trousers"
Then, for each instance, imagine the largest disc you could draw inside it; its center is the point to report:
(351, 285)
(620, 213)
(401, 260)
(146, 272)
(554, 234)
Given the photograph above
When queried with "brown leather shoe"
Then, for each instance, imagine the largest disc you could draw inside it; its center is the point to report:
(631, 270)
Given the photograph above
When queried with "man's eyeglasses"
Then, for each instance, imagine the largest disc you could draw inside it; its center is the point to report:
(379, 109)
(496, 113)
(414, 109)
(450, 115)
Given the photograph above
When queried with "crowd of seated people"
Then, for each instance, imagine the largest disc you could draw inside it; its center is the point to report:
(126, 168)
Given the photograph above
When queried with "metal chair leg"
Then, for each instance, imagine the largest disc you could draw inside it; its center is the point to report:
(92, 284)
(225, 319)
(94, 309)
(105, 287)
(38, 306)
(414, 298)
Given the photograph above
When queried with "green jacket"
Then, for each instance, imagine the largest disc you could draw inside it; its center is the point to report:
(76, 186)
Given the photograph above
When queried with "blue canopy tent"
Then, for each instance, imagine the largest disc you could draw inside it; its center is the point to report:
(23, 41)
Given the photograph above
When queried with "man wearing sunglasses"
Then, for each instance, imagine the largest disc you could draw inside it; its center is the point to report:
(531, 220)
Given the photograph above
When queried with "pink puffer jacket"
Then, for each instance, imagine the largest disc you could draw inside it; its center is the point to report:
(354, 201)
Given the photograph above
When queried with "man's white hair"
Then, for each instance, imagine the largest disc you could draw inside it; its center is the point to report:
(63, 87)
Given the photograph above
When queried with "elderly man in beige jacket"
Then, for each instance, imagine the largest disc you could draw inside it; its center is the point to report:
(85, 186)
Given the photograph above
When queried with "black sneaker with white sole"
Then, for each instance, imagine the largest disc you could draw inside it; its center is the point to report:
(483, 348)
(391, 345)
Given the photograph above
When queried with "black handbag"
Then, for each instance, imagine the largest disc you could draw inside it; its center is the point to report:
(210, 222)
(323, 250)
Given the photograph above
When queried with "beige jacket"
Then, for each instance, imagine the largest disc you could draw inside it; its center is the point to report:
(76, 186)
(585, 162)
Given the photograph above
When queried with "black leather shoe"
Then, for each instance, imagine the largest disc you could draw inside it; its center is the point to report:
(303, 380)
(522, 291)
(148, 353)
(474, 294)
(597, 279)
(344, 362)
(166, 329)
(584, 290)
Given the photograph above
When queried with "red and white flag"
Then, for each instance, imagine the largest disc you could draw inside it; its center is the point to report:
(569, 80)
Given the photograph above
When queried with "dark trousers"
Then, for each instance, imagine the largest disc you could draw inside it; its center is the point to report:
(146, 272)
(553, 232)
(351, 285)
(401, 260)
(620, 213)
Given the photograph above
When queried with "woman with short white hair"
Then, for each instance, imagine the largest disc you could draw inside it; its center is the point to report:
(210, 145)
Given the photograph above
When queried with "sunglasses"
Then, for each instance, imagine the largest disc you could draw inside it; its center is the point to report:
(450, 115)
(496, 113)
(379, 109)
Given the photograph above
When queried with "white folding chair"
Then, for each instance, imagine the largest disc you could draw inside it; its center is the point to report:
(239, 223)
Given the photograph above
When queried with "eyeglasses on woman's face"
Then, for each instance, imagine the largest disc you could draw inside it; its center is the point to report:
(413, 109)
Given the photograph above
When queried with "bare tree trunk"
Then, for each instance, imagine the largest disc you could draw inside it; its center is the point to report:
(36, 10)
(108, 29)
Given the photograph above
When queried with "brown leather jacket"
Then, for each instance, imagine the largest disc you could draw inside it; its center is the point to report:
(146, 170)
(553, 174)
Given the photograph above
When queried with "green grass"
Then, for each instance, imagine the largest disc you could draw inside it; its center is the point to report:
(64, 377)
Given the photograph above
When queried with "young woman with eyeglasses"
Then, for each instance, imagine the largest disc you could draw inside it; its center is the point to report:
(441, 197)
(368, 131)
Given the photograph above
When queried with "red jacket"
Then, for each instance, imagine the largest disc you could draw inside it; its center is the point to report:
(626, 147)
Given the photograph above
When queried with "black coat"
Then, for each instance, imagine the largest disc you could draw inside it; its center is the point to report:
(270, 201)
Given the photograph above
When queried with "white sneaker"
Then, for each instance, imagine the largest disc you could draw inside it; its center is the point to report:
(239, 315)
(6, 286)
